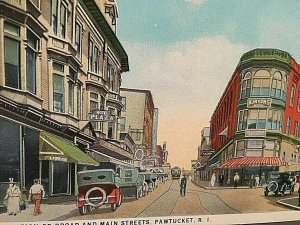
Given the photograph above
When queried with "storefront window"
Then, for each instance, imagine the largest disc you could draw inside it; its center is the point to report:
(60, 177)
(31, 149)
(9, 150)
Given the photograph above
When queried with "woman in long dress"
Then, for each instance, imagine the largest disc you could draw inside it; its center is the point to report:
(213, 180)
(13, 196)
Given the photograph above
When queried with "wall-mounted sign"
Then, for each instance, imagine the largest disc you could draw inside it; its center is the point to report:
(207, 152)
(101, 116)
(259, 102)
(255, 144)
(255, 133)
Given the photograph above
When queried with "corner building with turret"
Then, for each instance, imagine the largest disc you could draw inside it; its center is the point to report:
(255, 126)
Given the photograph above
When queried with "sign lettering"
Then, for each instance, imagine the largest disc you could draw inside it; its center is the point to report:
(101, 116)
(259, 103)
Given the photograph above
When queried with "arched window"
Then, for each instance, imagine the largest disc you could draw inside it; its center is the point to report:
(279, 85)
(261, 83)
(246, 85)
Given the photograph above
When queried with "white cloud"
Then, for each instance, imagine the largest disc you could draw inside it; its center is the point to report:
(196, 2)
(186, 81)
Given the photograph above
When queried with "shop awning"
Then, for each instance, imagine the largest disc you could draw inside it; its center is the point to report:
(253, 161)
(55, 148)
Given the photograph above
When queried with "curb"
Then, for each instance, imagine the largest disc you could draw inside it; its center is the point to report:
(287, 204)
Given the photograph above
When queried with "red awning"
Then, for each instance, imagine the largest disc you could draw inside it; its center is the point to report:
(253, 161)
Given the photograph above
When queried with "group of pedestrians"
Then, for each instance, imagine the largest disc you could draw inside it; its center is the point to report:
(14, 196)
(254, 180)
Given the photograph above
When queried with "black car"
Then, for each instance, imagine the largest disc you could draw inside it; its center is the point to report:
(279, 183)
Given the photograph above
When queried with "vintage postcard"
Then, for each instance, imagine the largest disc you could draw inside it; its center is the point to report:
(148, 112)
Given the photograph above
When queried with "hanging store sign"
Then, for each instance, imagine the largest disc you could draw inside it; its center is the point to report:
(101, 116)
(255, 133)
(259, 102)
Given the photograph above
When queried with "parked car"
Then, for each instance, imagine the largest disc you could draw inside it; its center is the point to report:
(97, 187)
(279, 183)
(131, 183)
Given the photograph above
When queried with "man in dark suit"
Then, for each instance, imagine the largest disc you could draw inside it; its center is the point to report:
(221, 179)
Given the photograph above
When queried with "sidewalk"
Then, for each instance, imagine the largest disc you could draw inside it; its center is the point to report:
(51, 210)
(206, 185)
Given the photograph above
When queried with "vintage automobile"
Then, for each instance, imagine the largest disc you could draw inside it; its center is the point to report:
(279, 183)
(97, 187)
(150, 181)
(131, 183)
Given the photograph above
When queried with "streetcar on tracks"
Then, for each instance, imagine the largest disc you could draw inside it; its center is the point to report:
(175, 173)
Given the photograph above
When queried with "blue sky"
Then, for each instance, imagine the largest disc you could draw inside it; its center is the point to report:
(185, 52)
(163, 22)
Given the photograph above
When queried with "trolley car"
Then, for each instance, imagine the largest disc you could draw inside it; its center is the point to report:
(175, 172)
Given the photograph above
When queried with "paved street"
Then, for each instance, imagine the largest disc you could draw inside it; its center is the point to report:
(166, 201)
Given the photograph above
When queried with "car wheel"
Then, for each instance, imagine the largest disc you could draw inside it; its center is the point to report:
(113, 207)
(120, 201)
(83, 210)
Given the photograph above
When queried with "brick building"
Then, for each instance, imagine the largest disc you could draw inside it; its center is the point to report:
(255, 126)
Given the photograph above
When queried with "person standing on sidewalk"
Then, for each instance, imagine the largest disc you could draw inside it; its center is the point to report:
(213, 180)
(13, 197)
(236, 179)
(256, 181)
(251, 182)
(221, 179)
(36, 193)
(183, 182)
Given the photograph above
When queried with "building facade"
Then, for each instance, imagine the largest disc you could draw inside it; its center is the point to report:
(137, 118)
(255, 126)
(60, 60)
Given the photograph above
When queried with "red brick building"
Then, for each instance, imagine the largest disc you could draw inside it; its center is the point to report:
(255, 126)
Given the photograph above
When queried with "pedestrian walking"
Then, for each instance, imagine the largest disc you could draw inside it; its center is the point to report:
(221, 179)
(13, 197)
(256, 180)
(251, 182)
(36, 193)
(236, 179)
(213, 180)
(183, 182)
(263, 179)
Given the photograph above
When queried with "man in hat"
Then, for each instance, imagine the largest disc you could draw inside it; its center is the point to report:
(13, 196)
(183, 182)
(36, 193)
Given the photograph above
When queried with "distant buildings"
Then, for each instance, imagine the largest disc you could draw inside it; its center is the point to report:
(137, 119)
(255, 126)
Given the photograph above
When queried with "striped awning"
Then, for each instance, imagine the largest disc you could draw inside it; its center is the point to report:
(253, 161)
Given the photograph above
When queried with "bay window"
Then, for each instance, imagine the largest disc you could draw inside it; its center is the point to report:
(71, 86)
(261, 83)
(31, 57)
(78, 40)
(58, 93)
(12, 56)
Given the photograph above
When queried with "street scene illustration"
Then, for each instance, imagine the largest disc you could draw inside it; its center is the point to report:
(148, 109)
